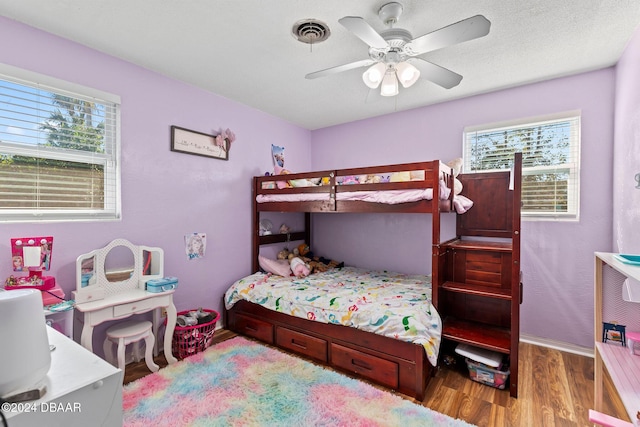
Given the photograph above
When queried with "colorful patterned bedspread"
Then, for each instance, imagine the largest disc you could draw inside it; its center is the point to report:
(391, 304)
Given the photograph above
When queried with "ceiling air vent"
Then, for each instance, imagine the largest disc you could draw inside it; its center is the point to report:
(310, 31)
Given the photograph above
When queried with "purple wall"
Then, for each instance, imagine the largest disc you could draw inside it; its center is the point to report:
(626, 195)
(165, 195)
(557, 257)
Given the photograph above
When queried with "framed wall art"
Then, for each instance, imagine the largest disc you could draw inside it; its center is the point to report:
(199, 143)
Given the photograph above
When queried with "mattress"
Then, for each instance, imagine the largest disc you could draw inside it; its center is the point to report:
(388, 196)
(392, 197)
(391, 304)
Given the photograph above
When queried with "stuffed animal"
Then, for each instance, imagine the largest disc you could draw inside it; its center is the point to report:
(280, 170)
(456, 166)
(284, 228)
(321, 264)
(350, 179)
(303, 249)
(373, 179)
(283, 254)
(400, 176)
(299, 268)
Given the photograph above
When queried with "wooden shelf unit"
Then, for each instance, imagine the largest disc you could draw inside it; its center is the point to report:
(470, 289)
(478, 334)
(479, 289)
(622, 366)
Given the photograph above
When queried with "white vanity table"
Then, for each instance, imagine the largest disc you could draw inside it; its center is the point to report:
(106, 296)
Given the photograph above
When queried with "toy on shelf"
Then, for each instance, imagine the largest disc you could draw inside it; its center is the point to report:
(285, 229)
(632, 339)
(612, 331)
(31, 255)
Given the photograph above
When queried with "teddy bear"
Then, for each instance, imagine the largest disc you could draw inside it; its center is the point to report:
(456, 166)
(283, 254)
(303, 249)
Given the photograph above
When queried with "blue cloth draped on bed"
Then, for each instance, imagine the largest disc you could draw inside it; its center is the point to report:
(390, 304)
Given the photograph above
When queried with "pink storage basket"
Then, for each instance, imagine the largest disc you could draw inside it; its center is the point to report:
(189, 340)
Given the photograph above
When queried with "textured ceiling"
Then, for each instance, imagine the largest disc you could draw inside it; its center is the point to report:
(244, 49)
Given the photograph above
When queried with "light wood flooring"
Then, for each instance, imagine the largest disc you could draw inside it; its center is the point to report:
(555, 389)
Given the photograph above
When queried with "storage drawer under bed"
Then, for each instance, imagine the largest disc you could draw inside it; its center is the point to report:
(315, 348)
(382, 371)
(255, 328)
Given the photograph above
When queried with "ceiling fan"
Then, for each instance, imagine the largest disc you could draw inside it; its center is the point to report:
(394, 53)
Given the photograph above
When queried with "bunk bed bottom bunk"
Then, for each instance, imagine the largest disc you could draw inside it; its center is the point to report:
(397, 365)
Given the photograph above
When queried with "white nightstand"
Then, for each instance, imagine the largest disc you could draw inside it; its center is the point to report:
(82, 390)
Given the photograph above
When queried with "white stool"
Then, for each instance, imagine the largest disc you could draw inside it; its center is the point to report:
(130, 332)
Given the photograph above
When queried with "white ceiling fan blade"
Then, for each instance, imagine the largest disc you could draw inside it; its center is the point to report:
(363, 31)
(437, 74)
(340, 68)
(462, 31)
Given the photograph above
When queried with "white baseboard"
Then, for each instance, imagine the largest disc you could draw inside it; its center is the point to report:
(558, 345)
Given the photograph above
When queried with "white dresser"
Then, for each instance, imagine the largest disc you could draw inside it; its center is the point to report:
(82, 390)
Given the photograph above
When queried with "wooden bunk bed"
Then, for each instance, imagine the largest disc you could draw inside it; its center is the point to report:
(398, 365)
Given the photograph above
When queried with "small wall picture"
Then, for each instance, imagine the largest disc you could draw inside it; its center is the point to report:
(199, 143)
(195, 245)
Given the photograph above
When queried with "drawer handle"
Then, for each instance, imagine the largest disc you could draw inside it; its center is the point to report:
(133, 308)
(360, 364)
(301, 344)
(251, 328)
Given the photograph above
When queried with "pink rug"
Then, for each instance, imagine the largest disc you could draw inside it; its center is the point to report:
(242, 383)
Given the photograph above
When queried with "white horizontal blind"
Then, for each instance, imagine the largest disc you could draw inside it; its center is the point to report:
(58, 153)
(550, 161)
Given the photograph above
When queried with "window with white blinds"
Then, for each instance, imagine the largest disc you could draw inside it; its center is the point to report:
(59, 150)
(550, 150)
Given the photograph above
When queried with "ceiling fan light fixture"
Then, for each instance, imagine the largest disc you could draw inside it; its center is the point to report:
(407, 74)
(374, 74)
(389, 85)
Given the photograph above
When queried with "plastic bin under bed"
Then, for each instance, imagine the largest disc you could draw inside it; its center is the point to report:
(487, 375)
(189, 340)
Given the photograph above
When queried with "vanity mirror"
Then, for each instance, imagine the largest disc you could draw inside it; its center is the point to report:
(118, 267)
(119, 264)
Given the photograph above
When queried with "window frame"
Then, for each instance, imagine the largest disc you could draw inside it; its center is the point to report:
(573, 182)
(112, 210)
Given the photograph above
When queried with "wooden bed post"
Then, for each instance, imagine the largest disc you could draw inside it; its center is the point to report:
(255, 227)
(435, 232)
(307, 229)
(516, 298)
(436, 254)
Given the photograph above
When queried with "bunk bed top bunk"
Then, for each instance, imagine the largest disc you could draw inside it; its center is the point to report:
(407, 187)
